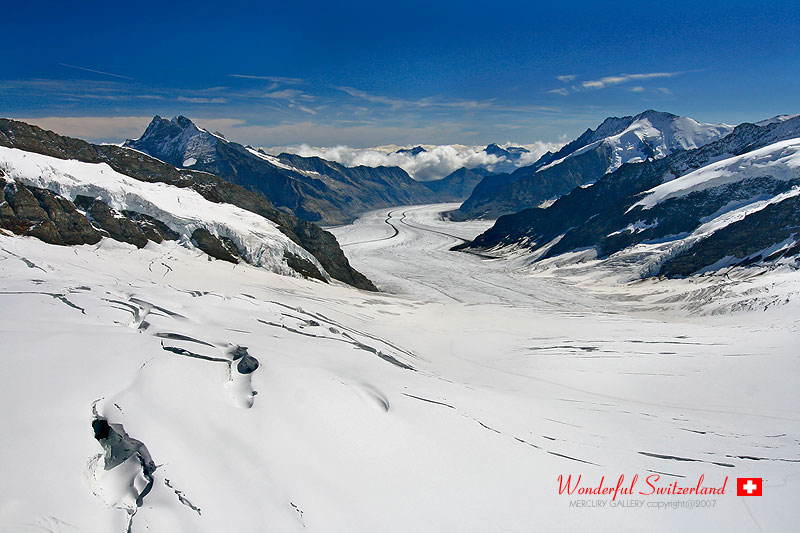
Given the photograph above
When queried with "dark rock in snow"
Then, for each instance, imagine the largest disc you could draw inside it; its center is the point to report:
(117, 226)
(745, 242)
(247, 364)
(153, 229)
(43, 214)
(303, 266)
(210, 244)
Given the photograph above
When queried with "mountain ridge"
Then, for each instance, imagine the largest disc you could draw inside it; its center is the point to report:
(617, 140)
(326, 193)
(142, 167)
(613, 215)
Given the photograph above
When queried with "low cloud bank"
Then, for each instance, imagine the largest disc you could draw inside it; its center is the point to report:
(436, 162)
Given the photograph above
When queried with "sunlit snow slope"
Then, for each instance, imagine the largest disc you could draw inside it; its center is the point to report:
(182, 209)
(228, 398)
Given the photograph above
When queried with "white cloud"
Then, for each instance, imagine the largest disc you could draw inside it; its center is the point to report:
(429, 101)
(436, 162)
(199, 100)
(625, 78)
(287, 94)
(608, 81)
(376, 99)
(274, 79)
(637, 89)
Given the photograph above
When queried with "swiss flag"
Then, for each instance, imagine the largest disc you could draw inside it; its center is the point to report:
(748, 486)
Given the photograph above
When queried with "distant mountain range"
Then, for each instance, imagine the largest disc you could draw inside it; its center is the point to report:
(661, 193)
(646, 136)
(732, 201)
(312, 189)
(66, 191)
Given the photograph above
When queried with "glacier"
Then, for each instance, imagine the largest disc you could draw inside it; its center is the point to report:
(452, 401)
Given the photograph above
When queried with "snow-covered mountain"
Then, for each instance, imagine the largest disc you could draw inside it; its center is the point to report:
(672, 215)
(647, 136)
(309, 187)
(66, 191)
(178, 142)
(184, 211)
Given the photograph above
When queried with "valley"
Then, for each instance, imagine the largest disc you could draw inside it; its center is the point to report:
(462, 391)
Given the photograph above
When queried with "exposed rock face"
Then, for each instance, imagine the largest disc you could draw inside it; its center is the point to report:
(140, 166)
(303, 266)
(43, 214)
(114, 224)
(311, 188)
(762, 237)
(217, 248)
(153, 229)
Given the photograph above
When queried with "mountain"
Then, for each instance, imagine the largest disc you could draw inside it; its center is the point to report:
(511, 153)
(646, 136)
(67, 191)
(458, 185)
(361, 188)
(411, 151)
(310, 188)
(729, 202)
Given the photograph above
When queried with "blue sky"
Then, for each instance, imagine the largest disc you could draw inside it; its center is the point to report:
(366, 74)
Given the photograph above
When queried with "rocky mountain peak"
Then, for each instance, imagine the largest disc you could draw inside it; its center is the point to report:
(178, 142)
(411, 151)
(511, 153)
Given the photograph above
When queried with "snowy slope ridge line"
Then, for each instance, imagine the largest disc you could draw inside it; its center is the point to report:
(659, 255)
(182, 209)
(778, 118)
(278, 163)
(647, 137)
(780, 160)
(652, 135)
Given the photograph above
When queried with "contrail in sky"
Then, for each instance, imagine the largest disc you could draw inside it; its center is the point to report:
(95, 71)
